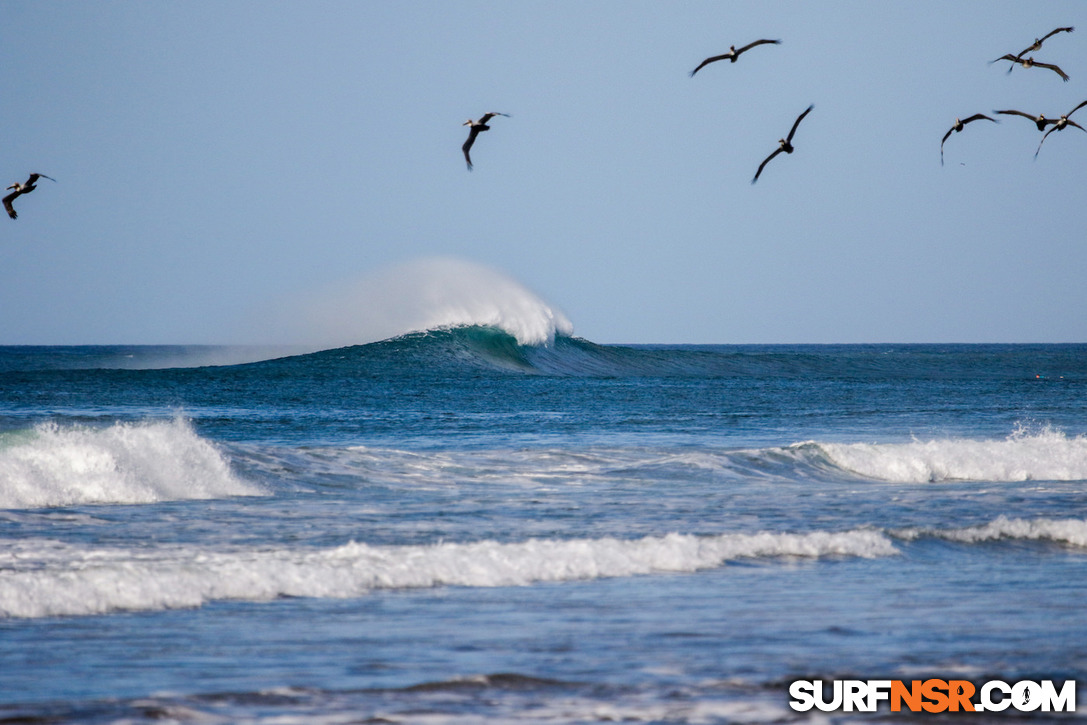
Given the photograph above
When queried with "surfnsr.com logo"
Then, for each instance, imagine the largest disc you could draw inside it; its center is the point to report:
(933, 695)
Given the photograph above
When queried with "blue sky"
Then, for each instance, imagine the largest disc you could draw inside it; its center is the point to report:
(218, 160)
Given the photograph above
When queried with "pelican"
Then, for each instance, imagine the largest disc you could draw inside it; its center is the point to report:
(474, 128)
(1040, 120)
(1059, 125)
(784, 144)
(1037, 44)
(732, 54)
(1029, 62)
(29, 186)
(958, 126)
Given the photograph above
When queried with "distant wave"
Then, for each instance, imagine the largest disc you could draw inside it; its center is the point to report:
(40, 578)
(423, 295)
(1023, 456)
(54, 465)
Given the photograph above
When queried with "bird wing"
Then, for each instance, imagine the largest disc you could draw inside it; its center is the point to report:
(1043, 140)
(1010, 112)
(1073, 123)
(489, 115)
(1075, 109)
(749, 46)
(765, 162)
(7, 204)
(1054, 32)
(1055, 69)
(707, 61)
(472, 133)
(978, 116)
(1006, 56)
(35, 176)
(946, 136)
(797, 122)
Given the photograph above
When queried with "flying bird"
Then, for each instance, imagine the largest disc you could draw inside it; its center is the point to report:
(1059, 124)
(29, 186)
(1037, 44)
(732, 54)
(1029, 62)
(958, 126)
(784, 144)
(474, 128)
(1040, 120)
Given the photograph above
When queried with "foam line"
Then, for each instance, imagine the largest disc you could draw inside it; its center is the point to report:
(48, 578)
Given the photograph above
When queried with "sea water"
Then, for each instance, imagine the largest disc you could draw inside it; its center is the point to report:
(458, 526)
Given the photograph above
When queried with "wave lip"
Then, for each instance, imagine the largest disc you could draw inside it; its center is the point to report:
(48, 578)
(128, 463)
(1048, 455)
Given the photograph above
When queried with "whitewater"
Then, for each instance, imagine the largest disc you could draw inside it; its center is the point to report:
(483, 518)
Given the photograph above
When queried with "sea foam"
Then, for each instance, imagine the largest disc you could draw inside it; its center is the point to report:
(1048, 455)
(145, 462)
(41, 578)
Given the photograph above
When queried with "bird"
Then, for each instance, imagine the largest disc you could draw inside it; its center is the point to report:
(732, 54)
(1060, 123)
(29, 186)
(958, 126)
(1040, 120)
(474, 128)
(1037, 44)
(784, 144)
(1029, 62)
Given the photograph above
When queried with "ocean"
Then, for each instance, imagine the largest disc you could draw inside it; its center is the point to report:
(457, 526)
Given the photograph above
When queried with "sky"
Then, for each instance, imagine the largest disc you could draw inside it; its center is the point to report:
(220, 164)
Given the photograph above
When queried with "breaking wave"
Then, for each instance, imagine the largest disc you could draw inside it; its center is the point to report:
(129, 463)
(419, 296)
(40, 578)
(1069, 532)
(1048, 455)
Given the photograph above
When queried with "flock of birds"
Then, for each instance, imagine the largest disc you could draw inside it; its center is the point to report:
(785, 145)
(1026, 61)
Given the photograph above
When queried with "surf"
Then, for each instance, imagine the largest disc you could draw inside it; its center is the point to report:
(55, 464)
(1024, 455)
(422, 295)
(42, 578)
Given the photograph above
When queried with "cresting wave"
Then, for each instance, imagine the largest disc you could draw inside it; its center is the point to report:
(1048, 455)
(54, 465)
(423, 295)
(41, 578)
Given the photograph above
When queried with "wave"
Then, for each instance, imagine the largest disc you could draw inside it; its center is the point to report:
(41, 578)
(45, 578)
(419, 296)
(129, 463)
(1069, 532)
(1048, 455)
